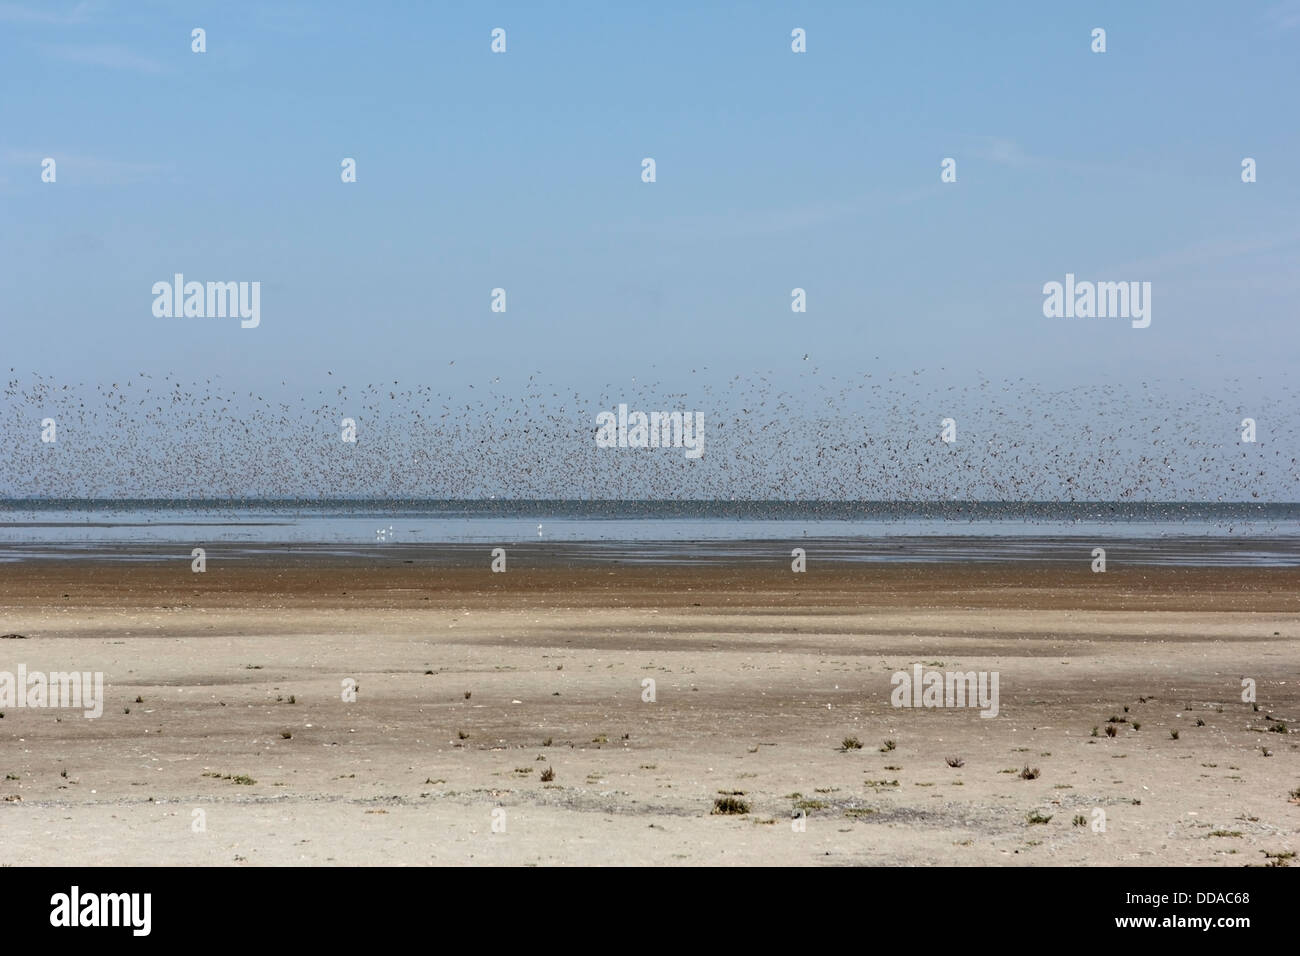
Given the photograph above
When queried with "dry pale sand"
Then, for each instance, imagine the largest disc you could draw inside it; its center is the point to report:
(471, 684)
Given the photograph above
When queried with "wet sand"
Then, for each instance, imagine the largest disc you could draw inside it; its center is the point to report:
(470, 684)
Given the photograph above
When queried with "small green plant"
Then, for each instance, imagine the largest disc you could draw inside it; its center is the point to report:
(1279, 727)
(548, 775)
(1200, 722)
(286, 734)
(955, 761)
(547, 742)
(467, 695)
(1137, 725)
(1094, 732)
(887, 746)
(1173, 734)
(850, 743)
(1028, 774)
(1225, 833)
(461, 735)
(1110, 730)
(1036, 817)
(1080, 820)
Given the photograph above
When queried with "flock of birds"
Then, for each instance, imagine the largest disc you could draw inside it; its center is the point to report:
(795, 435)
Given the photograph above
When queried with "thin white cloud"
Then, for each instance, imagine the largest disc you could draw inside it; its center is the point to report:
(297, 18)
(1285, 15)
(737, 225)
(996, 149)
(1198, 258)
(85, 170)
(18, 13)
(108, 55)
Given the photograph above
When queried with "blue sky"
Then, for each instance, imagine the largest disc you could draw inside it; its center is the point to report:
(775, 170)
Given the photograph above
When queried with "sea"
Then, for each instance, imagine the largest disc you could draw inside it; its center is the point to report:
(1177, 533)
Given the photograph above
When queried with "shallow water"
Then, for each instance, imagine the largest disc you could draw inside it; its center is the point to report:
(650, 531)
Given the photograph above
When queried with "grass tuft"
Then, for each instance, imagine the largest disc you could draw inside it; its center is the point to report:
(729, 805)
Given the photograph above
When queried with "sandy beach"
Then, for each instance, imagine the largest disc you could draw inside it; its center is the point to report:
(518, 700)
